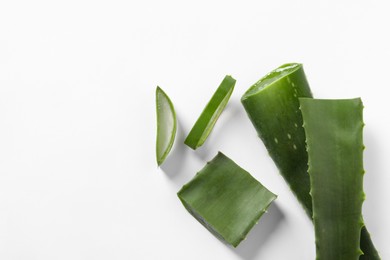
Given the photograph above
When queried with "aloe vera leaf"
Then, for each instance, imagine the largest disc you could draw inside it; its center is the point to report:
(166, 125)
(226, 199)
(334, 137)
(272, 105)
(206, 121)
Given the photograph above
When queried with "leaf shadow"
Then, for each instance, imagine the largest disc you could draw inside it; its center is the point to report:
(374, 180)
(174, 162)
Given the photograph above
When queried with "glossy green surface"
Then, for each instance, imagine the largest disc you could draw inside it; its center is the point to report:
(206, 121)
(274, 112)
(226, 199)
(166, 125)
(273, 109)
(334, 136)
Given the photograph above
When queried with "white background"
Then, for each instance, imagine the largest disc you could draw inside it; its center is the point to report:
(78, 176)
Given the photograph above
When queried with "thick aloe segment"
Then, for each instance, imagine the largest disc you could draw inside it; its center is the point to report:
(166, 125)
(334, 136)
(206, 121)
(226, 199)
(273, 107)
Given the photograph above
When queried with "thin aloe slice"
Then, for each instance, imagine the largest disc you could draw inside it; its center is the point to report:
(334, 136)
(166, 125)
(273, 107)
(226, 199)
(206, 121)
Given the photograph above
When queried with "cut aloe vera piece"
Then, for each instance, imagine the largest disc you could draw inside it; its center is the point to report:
(334, 136)
(206, 121)
(226, 199)
(166, 125)
(273, 107)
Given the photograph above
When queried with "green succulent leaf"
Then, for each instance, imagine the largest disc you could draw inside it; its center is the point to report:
(334, 136)
(206, 121)
(166, 125)
(226, 199)
(272, 105)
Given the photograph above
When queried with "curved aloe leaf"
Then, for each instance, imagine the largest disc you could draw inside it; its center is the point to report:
(206, 121)
(334, 136)
(166, 125)
(226, 199)
(273, 107)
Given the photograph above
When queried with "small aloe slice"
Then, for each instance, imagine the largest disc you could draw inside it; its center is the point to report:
(226, 199)
(166, 125)
(273, 107)
(334, 136)
(206, 121)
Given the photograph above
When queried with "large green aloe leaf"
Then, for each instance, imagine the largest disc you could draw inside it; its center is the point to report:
(334, 137)
(273, 107)
(226, 199)
(206, 121)
(166, 125)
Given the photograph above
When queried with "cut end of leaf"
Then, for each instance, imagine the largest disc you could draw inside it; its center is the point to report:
(166, 125)
(273, 76)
